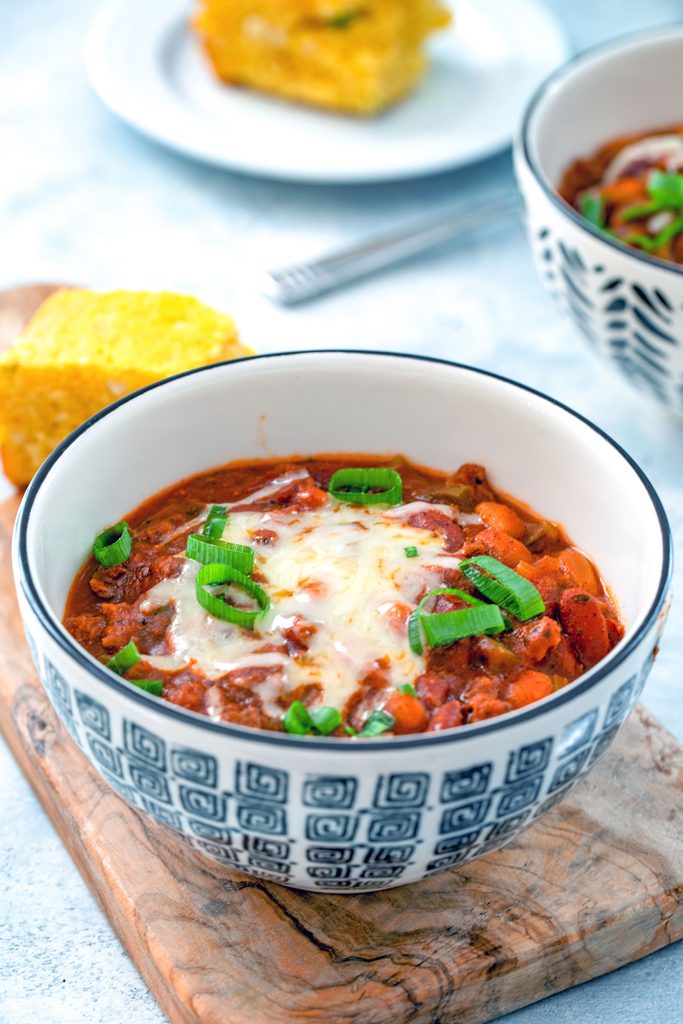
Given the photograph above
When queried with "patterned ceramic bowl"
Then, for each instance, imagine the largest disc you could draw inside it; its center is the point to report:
(627, 305)
(326, 813)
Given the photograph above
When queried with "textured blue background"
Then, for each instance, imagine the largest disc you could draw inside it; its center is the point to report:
(84, 199)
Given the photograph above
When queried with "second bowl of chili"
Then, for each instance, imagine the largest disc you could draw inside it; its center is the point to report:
(597, 162)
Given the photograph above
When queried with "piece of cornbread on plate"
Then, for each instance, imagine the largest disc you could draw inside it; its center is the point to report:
(350, 55)
(82, 350)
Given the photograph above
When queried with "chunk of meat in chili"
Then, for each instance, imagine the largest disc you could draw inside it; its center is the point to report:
(439, 522)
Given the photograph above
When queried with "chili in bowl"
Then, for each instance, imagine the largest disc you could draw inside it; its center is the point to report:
(331, 597)
(598, 160)
(341, 672)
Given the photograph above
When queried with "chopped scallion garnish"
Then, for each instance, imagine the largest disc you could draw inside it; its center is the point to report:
(153, 686)
(667, 234)
(367, 486)
(667, 188)
(641, 210)
(409, 689)
(219, 575)
(299, 721)
(326, 720)
(211, 551)
(215, 522)
(377, 723)
(443, 628)
(411, 552)
(503, 586)
(414, 637)
(114, 545)
(592, 207)
(124, 659)
(296, 719)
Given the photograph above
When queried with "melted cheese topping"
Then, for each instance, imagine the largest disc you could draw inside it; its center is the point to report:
(343, 570)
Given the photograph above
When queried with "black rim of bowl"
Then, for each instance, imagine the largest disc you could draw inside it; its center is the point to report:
(586, 57)
(86, 661)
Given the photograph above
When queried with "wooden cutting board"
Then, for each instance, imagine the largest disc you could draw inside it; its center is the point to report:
(595, 884)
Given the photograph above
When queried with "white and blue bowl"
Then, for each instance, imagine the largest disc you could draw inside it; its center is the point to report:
(626, 304)
(328, 814)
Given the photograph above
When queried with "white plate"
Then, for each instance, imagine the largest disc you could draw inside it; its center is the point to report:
(148, 68)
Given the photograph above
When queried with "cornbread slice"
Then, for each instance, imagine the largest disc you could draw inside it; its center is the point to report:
(82, 350)
(351, 55)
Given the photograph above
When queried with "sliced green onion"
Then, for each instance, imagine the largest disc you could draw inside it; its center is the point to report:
(363, 486)
(649, 243)
(668, 233)
(644, 241)
(153, 686)
(326, 720)
(443, 628)
(114, 545)
(377, 723)
(350, 731)
(592, 207)
(216, 522)
(124, 659)
(409, 689)
(210, 551)
(642, 210)
(411, 552)
(414, 637)
(297, 720)
(666, 188)
(504, 586)
(215, 574)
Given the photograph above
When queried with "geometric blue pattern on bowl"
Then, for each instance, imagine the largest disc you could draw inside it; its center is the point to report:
(93, 714)
(202, 803)
(144, 745)
(528, 760)
(195, 766)
(349, 844)
(404, 789)
(465, 783)
(393, 828)
(329, 791)
(255, 780)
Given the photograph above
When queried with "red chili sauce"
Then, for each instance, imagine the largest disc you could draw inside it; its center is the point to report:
(290, 659)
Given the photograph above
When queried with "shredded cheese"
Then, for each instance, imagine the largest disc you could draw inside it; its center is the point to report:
(342, 569)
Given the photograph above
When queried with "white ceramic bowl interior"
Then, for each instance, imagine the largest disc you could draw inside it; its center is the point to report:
(627, 304)
(438, 414)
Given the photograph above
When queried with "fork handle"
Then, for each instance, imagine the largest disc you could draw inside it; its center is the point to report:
(303, 281)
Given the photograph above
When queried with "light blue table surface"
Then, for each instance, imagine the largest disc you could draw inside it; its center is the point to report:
(84, 199)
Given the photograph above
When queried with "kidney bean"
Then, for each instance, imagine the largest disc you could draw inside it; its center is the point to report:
(450, 716)
(585, 624)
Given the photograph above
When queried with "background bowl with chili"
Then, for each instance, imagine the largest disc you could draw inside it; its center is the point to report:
(322, 812)
(605, 221)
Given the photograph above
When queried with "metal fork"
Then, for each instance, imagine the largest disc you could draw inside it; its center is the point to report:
(304, 281)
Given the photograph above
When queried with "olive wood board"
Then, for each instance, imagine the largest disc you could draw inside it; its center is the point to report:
(593, 885)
